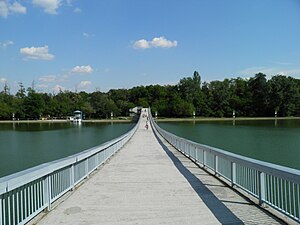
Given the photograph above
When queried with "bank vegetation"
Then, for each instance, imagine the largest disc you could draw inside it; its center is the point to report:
(253, 97)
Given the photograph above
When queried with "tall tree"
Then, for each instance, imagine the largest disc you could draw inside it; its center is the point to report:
(259, 89)
(220, 98)
(283, 95)
(34, 104)
(190, 91)
(240, 96)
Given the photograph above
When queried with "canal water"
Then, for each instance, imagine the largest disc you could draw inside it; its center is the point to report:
(267, 140)
(24, 145)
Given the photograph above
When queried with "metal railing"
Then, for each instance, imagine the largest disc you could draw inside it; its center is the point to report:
(274, 185)
(25, 194)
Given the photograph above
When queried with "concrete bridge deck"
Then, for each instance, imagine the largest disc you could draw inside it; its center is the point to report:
(149, 182)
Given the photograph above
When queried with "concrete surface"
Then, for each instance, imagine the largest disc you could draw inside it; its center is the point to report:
(149, 182)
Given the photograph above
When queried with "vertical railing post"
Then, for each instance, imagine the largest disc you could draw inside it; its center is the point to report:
(8, 209)
(86, 166)
(48, 191)
(216, 164)
(1, 209)
(72, 177)
(262, 187)
(204, 158)
(233, 173)
(22, 202)
(187, 149)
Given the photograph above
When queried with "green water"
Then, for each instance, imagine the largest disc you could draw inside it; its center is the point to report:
(266, 140)
(26, 145)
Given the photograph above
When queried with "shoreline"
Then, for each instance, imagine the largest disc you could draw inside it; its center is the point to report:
(158, 120)
(68, 121)
(223, 119)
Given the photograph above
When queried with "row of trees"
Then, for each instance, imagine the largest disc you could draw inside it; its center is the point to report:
(256, 96)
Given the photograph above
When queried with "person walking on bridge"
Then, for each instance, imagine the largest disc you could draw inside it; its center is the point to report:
(147, 125)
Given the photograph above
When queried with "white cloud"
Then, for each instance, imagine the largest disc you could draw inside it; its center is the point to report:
(58, 88)
(270, 71)
(84, 84)
(77, 10)
(51, 79)
(48, 78)
(162, 42)
(3, 80)
(69, 2)
(17, 8)
(82, 69)
(87, 35)
(6, 8)
(49, 6)
(141, 44)
(254, 70)
(41, 53)
(42, 86)
(157, 42)
(5, 44)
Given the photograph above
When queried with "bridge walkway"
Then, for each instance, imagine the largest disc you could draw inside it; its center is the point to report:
(149, 182)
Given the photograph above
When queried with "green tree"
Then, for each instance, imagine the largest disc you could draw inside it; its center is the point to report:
(253, 97)
(63, 104)
(190, 91)
(6, 103)
(102, 105)
(240, 96)
(259, 100)
(19, 107)
(21, 94)
(188, 86)
(137, 93)
(87, 109)
(283, 95)
(220, 97)
(207, 96)
(5, 111)
(34, 104)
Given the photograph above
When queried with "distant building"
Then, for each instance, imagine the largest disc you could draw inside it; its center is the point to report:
(78, 116)
(135, 111)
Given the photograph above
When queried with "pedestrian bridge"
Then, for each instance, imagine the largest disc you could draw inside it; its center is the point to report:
(148, 181)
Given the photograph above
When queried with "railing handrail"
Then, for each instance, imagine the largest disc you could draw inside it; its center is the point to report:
(271, 184)
(20, 178)
(25, 194)
(271, 168)
(278, 170)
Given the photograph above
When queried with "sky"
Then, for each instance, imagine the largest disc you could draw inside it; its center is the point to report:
(89, 45)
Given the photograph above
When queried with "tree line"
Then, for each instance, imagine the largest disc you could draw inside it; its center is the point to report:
(253, 97)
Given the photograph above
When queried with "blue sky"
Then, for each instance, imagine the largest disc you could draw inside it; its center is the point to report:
(103, 44)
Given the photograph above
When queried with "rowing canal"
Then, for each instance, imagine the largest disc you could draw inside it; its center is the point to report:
(24, 145)
(275, 141)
